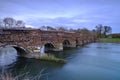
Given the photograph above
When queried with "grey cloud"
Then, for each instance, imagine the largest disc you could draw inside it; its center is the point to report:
(71, 13)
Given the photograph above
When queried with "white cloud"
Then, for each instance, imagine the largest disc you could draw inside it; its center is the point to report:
(29, 26)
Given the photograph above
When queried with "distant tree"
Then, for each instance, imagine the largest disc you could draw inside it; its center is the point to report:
(94, 33)
(78, 30)
(85, 31)
(20, 23)
(99, 29)
(102, 31)
(72, 30)
(107, 29)
(9, 22)
(50, 28)
(62, 29)
(117, 35)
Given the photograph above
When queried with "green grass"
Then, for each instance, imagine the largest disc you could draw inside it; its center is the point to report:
(52, 58)
(113, 40)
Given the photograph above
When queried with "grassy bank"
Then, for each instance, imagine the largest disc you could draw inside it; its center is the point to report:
(112, 40)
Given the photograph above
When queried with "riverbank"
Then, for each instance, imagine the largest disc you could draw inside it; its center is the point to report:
(111, 40)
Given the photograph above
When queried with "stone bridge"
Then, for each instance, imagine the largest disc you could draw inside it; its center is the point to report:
(29, 42)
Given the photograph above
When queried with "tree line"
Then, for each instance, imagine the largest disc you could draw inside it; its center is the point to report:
(103, 31)
(100, 31)
(9, 22)
(62, 28)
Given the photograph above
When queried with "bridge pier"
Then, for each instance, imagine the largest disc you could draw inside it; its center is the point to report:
(89, 41)
(80, 43)
(58, 47)
(85, 42)
(27, 52)
(72, 44)
(23, 51)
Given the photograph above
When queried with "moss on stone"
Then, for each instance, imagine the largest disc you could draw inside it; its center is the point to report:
(52, 58)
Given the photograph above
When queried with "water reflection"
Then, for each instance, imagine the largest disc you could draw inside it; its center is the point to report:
(23, 65)
(8, 55)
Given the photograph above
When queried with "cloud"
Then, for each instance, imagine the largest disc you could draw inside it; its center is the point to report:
(69, 13)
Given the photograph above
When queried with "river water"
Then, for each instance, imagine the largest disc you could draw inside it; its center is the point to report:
(95, 61)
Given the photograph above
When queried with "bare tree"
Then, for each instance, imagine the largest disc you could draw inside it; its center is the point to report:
(9, 22)
(78, 30)
(107, 29)
(20, 23)
(99, 29)
(50, 28)
(62, 29)
(103, 30)
(72, 30)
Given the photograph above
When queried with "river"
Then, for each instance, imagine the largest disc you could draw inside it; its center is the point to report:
(95, 61)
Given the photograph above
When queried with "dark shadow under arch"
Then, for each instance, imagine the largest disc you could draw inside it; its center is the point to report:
(49, 47)
(66, 43)
(20, 51)
(77, 42)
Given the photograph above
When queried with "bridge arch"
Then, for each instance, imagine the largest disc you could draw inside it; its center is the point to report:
(49, 47)
(66, 43)
(21, 51)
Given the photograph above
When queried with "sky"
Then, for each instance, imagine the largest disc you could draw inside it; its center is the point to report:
(68, 13)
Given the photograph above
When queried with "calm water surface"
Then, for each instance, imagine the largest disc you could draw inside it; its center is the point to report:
(96, 61)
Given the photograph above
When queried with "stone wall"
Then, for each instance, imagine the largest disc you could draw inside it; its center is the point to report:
(20, 37)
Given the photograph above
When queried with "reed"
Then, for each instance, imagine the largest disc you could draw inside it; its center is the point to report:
(24, 76)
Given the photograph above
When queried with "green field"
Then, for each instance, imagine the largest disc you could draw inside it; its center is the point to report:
(114, 40)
